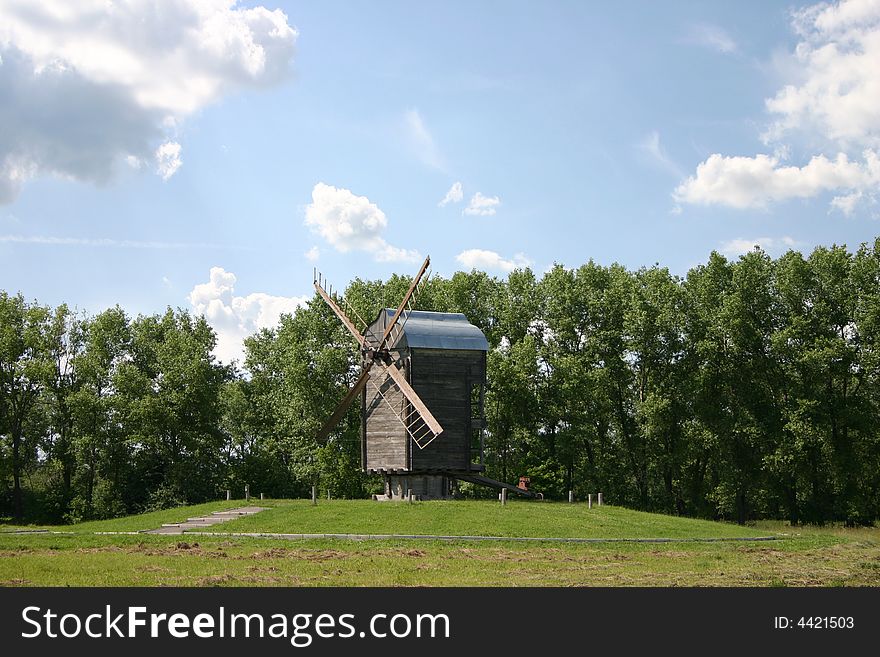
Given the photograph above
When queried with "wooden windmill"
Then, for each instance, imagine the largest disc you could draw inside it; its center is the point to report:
(421, 389)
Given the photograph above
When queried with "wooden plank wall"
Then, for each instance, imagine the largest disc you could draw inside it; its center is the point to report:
(386, 439)
(443, 379)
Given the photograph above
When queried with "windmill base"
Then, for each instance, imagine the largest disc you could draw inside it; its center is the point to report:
(439, 486)
(421, 486)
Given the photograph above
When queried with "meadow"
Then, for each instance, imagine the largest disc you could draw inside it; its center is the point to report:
(81, 555)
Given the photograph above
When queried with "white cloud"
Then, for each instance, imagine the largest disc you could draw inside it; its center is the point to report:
(89, 86)
(846, 204)
(837, 95)
(772, 245)
(168, 159)
(748, 182)
(482, 205)
(352, 223)
(421, 141)
(236, 317)
(711, 36)
(454, 195)
(482, 259)
(313, 254)
(831, 105)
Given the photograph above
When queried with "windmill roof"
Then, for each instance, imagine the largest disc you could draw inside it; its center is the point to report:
(430, 330)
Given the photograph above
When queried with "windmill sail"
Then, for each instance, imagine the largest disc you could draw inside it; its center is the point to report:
(342, 407)
(420, 423)
(338, 312)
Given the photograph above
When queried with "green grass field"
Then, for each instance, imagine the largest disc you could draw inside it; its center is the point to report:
(79, 557)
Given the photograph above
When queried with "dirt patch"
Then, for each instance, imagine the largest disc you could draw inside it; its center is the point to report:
(180, 549)
(101, 549)
(151, 569)
(273, 553)
(765, 551)
(16, 582)
(262, 569)
(216, 580)
(6, 554)
(671, 554)
(541, 556)
(324, 555)
(305, 555)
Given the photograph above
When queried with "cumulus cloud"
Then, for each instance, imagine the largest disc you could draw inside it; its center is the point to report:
(482, 259)
(772, 245)
(482, 206)
(748, 182)
(313, 254)
(352, 223)
(847, 203)
(88, 86)
(421, 141)
(838, 93)
(454, 195)
(236, 317)
(831, 105)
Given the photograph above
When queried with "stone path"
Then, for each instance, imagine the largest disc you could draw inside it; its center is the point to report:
(206, 521)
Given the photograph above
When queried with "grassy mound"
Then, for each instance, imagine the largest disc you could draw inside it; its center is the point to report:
(476, 518)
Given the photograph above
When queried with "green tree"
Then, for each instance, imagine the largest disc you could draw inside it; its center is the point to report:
(103, 455)
(25, 366)
(169, 393)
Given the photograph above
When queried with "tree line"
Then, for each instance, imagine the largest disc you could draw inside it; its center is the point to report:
(746, 389)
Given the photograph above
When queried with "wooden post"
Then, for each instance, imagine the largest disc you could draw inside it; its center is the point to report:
(314, 496)
(409, 495)
(228, 494)
(571, 497)
(247, 492)
(503, 496)
(328, 494)
(590, 501)
(262, 496)
(600, 499)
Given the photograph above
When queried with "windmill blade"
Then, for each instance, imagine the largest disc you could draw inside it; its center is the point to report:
(341, 409)
(420, 423)
(341, 315)
(401, 323)
(403, 304)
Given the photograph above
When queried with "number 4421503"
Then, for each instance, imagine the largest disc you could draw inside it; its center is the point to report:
(814, 622)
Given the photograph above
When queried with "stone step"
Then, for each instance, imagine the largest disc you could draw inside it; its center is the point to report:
(213, 520)
(206, 521)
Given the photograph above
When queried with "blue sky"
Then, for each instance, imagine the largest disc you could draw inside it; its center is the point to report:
(207, 155)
